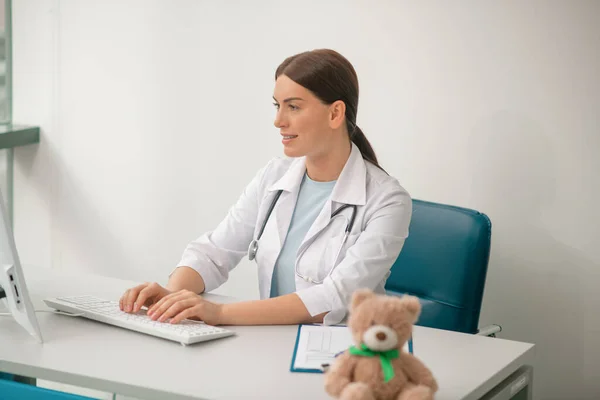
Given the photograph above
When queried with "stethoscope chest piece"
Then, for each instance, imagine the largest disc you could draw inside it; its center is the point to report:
(252, 249)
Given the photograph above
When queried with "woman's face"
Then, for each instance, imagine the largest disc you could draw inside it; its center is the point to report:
(303, 120)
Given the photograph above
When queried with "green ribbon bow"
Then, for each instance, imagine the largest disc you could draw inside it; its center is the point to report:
(385, 357)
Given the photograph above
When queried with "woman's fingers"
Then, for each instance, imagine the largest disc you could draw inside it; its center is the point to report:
(163, 305)
(129, 297)
(132, 295)
(145, 294)
(162, 301)
(177, 307)
(190, 312)
(135, 298)
(122, 300)
(182, 304)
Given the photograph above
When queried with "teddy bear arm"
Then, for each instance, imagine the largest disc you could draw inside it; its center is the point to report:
(417, 372)
(340, 374)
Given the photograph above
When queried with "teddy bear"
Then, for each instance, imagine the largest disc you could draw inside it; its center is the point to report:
(376, 367)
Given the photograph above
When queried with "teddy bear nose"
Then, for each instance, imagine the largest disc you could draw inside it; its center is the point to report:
(381, 336)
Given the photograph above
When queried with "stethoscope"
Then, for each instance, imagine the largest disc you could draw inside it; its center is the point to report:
(253, 248)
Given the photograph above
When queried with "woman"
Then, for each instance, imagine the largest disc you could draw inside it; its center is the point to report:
(308, 268)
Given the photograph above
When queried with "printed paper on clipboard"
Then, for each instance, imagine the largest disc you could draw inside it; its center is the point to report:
(317, 345)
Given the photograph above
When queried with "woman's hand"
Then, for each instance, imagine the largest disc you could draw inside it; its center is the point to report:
(185, 304)
(146, 294)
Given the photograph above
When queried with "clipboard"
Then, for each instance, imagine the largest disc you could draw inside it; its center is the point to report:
(320, 344)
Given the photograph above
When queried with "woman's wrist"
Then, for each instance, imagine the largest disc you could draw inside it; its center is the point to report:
(185, 277)
(221, 312)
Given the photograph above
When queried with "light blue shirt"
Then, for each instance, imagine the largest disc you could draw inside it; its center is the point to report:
(311, 199)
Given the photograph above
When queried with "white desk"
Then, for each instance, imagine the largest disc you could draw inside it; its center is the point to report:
(253, 364)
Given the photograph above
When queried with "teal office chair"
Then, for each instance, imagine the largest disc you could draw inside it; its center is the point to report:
(444, 262)
(11, 390)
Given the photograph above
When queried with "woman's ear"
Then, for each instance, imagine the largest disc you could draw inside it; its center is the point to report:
(337, 114)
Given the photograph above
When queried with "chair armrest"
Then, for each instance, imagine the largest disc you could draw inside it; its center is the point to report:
(489, 330)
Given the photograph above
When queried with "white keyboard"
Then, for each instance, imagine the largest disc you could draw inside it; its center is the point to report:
(186, 332)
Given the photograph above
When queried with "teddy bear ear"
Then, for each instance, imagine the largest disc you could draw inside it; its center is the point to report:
(413, 305)
(361, 295)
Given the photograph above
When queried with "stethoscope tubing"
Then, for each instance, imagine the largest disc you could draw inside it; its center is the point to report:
(253, 248)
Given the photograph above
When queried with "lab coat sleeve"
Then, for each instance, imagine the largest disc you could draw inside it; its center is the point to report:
(214, 254)
(368, 261)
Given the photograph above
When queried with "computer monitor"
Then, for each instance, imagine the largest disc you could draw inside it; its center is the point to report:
(13, 290)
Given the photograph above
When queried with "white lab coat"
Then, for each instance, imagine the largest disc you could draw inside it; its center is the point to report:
(379, 231)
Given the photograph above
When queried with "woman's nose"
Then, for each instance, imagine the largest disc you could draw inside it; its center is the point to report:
(279, 120)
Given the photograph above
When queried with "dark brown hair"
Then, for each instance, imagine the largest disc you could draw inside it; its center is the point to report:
(330, 77)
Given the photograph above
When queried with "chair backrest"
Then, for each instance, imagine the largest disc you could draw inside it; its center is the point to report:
(11, 390)
(444, 262)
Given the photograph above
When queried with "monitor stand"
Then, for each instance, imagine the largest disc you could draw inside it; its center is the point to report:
(2, 296)
(3, 307)
(16, 378)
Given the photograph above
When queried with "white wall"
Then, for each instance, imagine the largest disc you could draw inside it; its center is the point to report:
(147, 108)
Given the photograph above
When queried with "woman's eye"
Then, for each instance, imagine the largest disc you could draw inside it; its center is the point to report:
(293, 107)
(276, 105)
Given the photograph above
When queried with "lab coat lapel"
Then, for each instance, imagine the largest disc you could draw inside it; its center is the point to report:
(290, 184)
(350, 188)
(284, 212)
(318, 225)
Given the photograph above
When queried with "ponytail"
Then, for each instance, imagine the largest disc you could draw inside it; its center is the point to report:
(360, 140)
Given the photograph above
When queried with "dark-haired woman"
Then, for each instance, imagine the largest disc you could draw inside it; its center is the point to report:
(320, 223)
